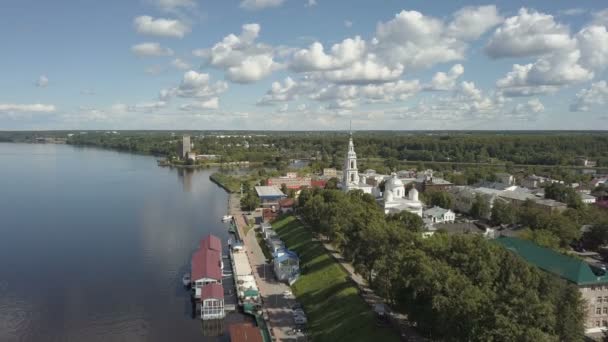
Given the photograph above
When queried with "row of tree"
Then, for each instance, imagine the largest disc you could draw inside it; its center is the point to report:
(455, 287)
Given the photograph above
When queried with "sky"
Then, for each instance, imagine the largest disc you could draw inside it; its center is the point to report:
(303, 65)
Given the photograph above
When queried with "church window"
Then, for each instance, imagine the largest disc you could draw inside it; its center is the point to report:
(352, 164)
(352, 177)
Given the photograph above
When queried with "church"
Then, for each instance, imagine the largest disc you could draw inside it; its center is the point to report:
(392, 200)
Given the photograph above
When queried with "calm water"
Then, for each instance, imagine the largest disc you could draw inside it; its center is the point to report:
(93, 245)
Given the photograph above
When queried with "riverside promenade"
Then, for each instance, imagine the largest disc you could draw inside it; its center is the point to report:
(275, 304)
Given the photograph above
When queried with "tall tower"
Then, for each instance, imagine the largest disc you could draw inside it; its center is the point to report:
(350, 174)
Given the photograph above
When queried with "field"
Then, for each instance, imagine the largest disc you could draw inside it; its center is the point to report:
(335, 310)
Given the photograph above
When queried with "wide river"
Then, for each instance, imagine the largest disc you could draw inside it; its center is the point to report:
(93, 245)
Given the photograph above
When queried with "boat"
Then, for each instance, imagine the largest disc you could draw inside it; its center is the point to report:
(186, 279)
(227, 218)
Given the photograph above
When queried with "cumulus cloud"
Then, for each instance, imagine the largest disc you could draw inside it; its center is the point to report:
(311, 3)
(180, 64)
(194, 85)
(471, 22)
(151, 49)
(260, 4)
(26, 108)
(42, 82)
(315, 59)
(533, 106)
(446, 81)
(597, 94)
(573, 11)
(529, 33)
(160, 27)
(281, 92)
(593, 44)
(242, 59)
(601, 17)
(212, 103)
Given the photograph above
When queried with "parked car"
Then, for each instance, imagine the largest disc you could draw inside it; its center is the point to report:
(300, 320)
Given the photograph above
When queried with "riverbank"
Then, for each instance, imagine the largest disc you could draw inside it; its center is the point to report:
(331, 300)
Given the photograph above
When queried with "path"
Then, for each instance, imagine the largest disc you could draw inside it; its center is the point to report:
(277, 308)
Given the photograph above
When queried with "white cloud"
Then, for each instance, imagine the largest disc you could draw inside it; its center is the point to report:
(471, 22)
(196, 85)
(173, 5)
(315, 59)
(311, 3)
(533, 106)
(42, 82)
(260, 4)
(212, 103)
(281, 92)
(601, 17)
(363, 72)
(529, 33)
(446, 81)
(151, 49)
(26, 108)
(180, 64)
(160, 27)
(348, 23)
(593, 44)
(243, 60)
(145, 106)
(390, 91)
(573, 11)
(597, 94)
(545, 75)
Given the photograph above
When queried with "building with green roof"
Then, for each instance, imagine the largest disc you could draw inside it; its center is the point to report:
(592, 281)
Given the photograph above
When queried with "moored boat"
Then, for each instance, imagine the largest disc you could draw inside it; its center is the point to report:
(227, 218)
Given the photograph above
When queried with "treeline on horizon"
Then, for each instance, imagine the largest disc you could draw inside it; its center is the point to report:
(551, 148)
(454, 287)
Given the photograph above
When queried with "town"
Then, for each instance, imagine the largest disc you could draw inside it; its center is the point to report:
(559, 228)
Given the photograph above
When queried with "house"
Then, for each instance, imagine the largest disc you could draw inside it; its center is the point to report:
(265, 226)
(439, 215)
(429, 183)
(212, 302)
(318, 183)
(206, 264)
(269, 215)
(244, 332)
(269, 195)
(534, 181)
(505, 178)
(591, 281)
(286, 205)
(330, 172)
(587, 199)
(286, 265)
(290, 181)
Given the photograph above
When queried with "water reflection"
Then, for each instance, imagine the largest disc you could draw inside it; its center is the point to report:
(94, 244)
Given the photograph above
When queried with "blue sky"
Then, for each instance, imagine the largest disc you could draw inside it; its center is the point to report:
(303, 64)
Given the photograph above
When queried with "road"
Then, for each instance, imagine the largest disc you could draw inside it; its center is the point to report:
(276, 306)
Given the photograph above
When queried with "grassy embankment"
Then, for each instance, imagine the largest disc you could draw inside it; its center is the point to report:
(335, 310)
(230, 183)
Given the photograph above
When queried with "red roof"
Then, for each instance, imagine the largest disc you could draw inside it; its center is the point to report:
(244, 332)
(213, 290)
(287, 202)
(206, 263)
(320, 183)
(211, 242)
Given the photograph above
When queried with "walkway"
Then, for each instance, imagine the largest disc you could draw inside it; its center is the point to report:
(276, 306)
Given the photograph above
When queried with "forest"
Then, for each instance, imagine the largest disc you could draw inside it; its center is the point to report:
(454, 287)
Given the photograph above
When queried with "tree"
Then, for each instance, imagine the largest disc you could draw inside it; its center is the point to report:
(480, 208)
(407, 220)
(597, 236)
(284, 188)
(332, 183)
(441, 199)
(250, 201)
(503, 213)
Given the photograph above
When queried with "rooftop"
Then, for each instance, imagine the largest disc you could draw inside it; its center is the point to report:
(569, 268)
(206, 264)
(213, 290)
(435, 211)
(269, 191)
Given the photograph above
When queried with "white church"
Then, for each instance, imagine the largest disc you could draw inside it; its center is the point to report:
(393, 199)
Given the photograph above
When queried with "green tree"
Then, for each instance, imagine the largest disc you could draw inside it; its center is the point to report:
(250, 201)
(480, 207)
(332, 183)
(503, 213)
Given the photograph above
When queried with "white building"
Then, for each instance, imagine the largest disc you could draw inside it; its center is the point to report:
(586, 198)
(350, 173)
(439, 215)
(394, 199)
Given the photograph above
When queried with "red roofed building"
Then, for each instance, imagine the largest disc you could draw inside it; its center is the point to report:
(318, 183)
(211, 242)
(268, 215)
(244, 332)
(206, 264)
(212, 301)
(286, 204)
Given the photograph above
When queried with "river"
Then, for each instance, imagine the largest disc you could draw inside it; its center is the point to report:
(93, 244)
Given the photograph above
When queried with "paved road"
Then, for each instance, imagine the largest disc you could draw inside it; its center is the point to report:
(277, 307)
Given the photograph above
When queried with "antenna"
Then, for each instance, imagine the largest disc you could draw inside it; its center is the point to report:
(351, 127)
